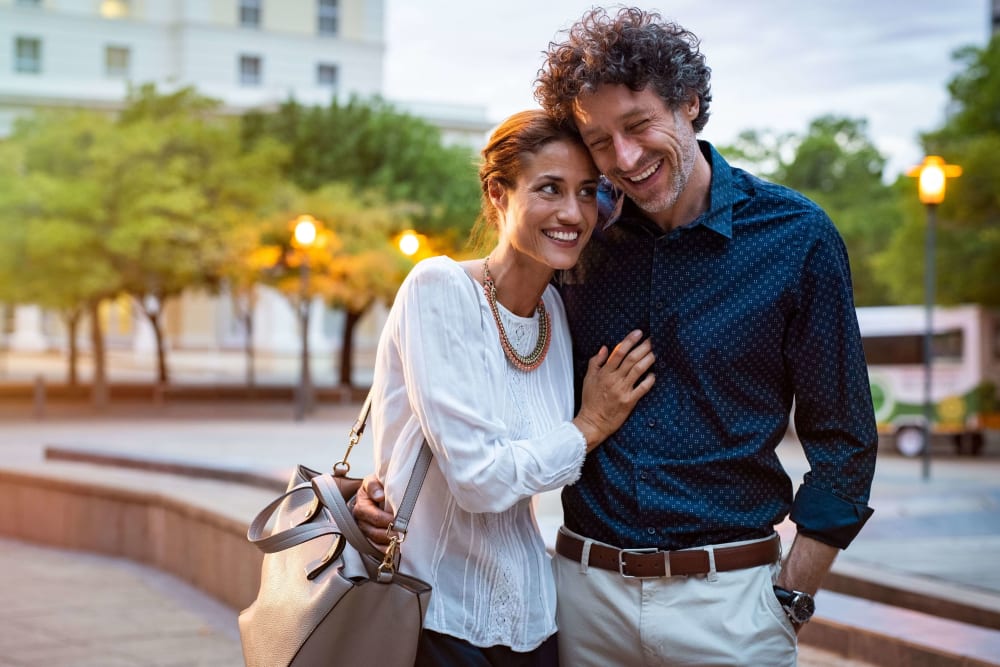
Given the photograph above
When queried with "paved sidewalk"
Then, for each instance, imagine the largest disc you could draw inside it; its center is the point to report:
(93, 611)
(73, 609)
(65, 608)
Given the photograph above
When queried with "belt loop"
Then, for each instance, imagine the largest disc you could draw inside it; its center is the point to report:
(713, 574)
(585, 556)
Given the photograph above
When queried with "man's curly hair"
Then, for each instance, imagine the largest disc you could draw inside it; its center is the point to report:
(635, 48)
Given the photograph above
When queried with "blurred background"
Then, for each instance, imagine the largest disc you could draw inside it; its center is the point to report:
(227, 193)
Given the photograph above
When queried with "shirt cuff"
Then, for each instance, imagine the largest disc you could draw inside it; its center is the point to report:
(827, 517)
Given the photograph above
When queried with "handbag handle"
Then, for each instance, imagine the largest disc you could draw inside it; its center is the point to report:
(289, 537)
(325, 488)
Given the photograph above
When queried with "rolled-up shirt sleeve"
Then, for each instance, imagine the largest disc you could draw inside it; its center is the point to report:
(456, 390)
(834, 417)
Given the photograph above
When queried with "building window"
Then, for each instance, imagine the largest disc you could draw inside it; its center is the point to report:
(250, 13)
(326, 75)
(116, 61)
(115, 9)
(329, 14)
(28, 55)
(250, 70)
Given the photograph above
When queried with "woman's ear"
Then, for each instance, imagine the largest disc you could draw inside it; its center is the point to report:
(498, 195)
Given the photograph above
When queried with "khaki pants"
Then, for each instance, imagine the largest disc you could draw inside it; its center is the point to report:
(728, 619)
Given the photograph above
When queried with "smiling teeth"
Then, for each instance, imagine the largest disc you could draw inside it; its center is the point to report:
(644, 175)
(563, 236)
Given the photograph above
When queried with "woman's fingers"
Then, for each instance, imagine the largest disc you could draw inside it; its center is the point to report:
(622, 349)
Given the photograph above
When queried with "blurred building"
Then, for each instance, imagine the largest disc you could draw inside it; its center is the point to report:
(245, 53)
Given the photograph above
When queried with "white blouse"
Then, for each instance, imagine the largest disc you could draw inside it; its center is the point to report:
(499, 436)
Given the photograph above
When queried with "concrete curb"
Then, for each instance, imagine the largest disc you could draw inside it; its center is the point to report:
(196, 544)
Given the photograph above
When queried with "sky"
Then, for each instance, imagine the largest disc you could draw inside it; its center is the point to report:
(776, 64)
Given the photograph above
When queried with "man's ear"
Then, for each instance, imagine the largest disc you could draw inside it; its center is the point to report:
(692, 108)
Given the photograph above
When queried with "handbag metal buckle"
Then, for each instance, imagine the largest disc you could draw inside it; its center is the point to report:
(342, 467)
(387, 568)
(649, 550)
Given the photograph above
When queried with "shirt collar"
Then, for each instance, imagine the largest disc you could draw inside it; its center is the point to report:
(725, 194)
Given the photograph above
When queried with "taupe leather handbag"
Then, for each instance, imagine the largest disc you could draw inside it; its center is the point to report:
(327, 596)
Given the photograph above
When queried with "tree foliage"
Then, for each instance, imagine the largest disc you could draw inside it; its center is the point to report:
(371, 146)
(968, 222)
(836, 164)
(143, 204)
(354, 263)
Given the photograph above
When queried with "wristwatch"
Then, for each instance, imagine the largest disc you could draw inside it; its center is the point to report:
(798, 605)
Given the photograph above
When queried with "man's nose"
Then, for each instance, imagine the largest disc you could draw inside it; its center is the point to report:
(628, 152)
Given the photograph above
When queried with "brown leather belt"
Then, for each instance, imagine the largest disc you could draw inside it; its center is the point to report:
(655, 563)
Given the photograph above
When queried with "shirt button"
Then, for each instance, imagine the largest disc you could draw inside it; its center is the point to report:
(643, 475)
(658, 305)
(651, 531)
(651, 423)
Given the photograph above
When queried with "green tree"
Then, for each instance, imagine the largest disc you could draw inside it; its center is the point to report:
(836, 164)
(182, 188)
(968, 222)
(355, 264)
(52, 226)
(370, 145)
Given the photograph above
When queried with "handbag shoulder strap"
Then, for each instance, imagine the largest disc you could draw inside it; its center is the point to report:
(413, 486)
(416, 481)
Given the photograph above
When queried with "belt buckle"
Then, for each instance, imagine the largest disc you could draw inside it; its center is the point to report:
(647, 550)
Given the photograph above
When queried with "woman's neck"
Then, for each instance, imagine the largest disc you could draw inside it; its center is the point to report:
(519, 281)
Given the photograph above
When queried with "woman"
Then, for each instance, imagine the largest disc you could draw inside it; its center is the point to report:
(475, 356)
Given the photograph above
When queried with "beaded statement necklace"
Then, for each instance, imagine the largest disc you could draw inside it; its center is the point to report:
(537, 356)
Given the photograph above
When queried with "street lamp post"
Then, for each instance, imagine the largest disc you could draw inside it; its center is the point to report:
(303, 238)
(932, 176)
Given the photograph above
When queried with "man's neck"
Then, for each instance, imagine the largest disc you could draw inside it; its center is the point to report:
(693, 200)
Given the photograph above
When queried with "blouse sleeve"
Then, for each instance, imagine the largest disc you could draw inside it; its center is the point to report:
(456, 389)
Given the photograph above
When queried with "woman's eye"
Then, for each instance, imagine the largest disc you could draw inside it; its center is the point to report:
(550, 188)
(589, 191)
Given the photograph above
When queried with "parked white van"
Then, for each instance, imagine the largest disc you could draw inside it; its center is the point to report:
(964, 378)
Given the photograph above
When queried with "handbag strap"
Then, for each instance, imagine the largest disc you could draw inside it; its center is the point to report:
(401, 521)
(325, 488)
(342, 467)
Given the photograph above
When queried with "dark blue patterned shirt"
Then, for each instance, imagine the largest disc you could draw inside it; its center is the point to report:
(748, 306)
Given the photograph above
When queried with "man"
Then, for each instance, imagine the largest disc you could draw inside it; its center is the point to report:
(668, 553)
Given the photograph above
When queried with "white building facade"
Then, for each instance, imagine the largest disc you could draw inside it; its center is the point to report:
(245, 53)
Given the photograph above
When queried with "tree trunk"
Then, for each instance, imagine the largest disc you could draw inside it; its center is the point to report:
(161, 353)
(99, 387)
(72, 321)
(347, 347)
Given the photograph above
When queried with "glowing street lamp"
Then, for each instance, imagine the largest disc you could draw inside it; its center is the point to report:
(409, 243)
(933, 175)
(303, 237)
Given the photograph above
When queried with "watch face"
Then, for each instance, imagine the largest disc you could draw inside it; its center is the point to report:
(802, 608)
